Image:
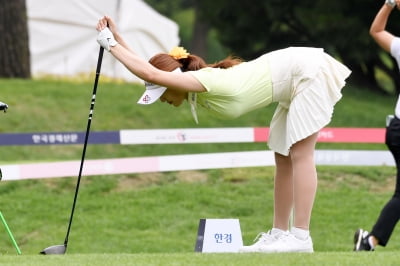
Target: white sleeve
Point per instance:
(395, 50)
(397, 109)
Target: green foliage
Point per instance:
(185, 20)
(340, 27)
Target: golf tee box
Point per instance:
(219, 235)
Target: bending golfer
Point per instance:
(390, 213)
(306, 82)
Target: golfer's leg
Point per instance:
(283, 191)
(304, 180)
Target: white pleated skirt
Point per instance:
(307, 84)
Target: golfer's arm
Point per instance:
(134, 63)
(144, 70)
(378, 28)
(118, 37)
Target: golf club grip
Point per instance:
(98, 68)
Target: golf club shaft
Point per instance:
(10, 234)
(98, 68)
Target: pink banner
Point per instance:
(91, 167)
(352, 135)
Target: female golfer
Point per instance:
(306, 82)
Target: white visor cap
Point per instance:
(153, 91)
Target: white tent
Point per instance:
(62, 35)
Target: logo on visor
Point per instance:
(146, 98)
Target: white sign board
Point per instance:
(219, 235)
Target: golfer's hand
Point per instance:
(105, 22)
(106, 39)
(108, 34)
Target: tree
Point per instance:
(14, 52)
(251, 28)
(340, 27)
(200, 28)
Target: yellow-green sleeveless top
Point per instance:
(237, 90)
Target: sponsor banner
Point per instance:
(343, 135)
(216, 160)
(354, 158)
(71, 168)
(352, 135)
(241, 135)
(189, 135)
(186, 162)
(59, 138)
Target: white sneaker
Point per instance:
(289, 243)
(263, 239)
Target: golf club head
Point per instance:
(3, 106)
(54, 250)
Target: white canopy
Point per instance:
(62, 35)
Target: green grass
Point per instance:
(316, 259)
(158, 214)
(152, 219)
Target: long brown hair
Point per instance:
(192, 62)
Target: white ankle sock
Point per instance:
(276, 231)
(300, 233)
(370, 242)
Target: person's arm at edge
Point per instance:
(378, 28)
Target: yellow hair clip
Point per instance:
(178, 53)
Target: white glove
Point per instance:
(390, 3)
(106, 39)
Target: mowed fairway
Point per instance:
(152, 219)
(130, 219)
(322, 258)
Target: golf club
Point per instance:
(61, 249)
(10, 234)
